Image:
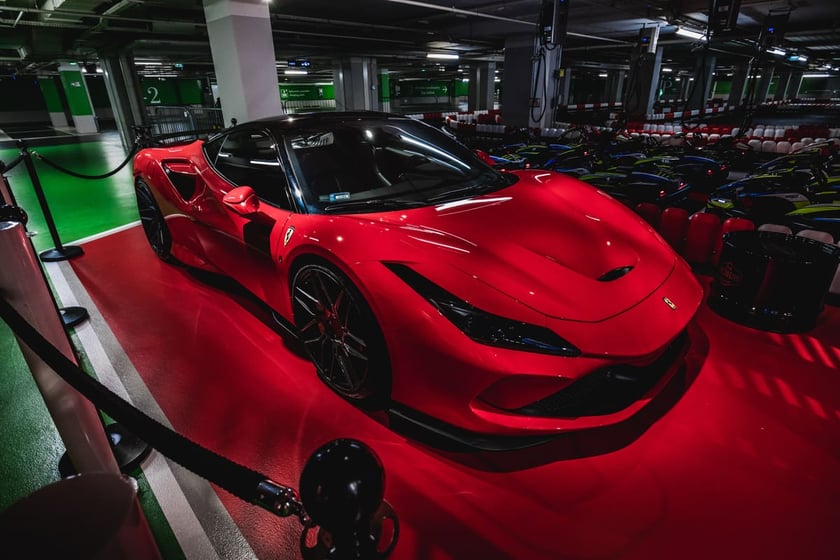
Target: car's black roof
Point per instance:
(302, 120)
(298, 119)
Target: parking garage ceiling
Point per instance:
(36, 34)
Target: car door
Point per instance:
(241, 242)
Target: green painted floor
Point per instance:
(80, 207)
(30, 446)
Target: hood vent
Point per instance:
(615, 274)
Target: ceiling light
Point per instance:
(667, 69)
(603, 75)
(815, 75)
(294, 72)
(443, 56)
(685, 32)
(777, 51)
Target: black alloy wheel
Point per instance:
(154, 225)
(341, 336)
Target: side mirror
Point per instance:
(242, 200)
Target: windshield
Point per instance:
(366, 165)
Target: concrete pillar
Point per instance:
(384, 90)
(643, 81)
(615, 85)
(516, 93)
(243, 58)
(78, 98)
(739, 85)
(543, 115)
(763, 86)
(482, 76)
(124, 94)
(704, 69)
(782, 85)
(355, 81)
(529, 98)
(49, 89)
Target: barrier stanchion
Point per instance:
(344, 479)
(72, 315)
(342, 486)
(59, 252)
(23, 285)
(6, 194)
(95, 516)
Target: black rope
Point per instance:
(236, 479)
(143, 139)
(54, 165)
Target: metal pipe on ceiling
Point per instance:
(81, 14)
(336, 36)
(475, 13)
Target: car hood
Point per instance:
(547, 242)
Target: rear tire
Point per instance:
(154, 224)
(341, 335)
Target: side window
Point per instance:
(250, 158)
(211, 149)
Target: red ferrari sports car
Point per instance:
(419, 278)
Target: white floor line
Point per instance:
(181, 517)
(104, 233)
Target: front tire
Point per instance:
(154, 224)
(341, 335)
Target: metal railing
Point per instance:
(194, 121)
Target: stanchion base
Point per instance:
(72, 316)
(129, 451)
(66, 252)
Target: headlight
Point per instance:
(484, 327)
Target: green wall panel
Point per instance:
(76, 92)
(813, 86)
(384, 87)
(49, 89)
(722, 87)
(190, 91)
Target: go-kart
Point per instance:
(768, 197)
(821, 217)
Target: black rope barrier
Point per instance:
(241, 481)
(142, 139)
(58, 167)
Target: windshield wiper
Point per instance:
(372, 203)
(493, 184)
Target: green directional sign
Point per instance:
(306, 92)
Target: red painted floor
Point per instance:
(745, 464)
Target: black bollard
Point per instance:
(341, 487)
(60, 252)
